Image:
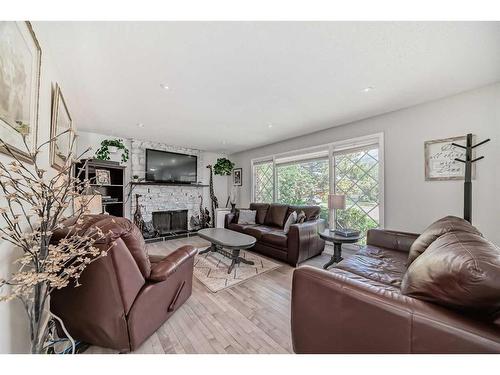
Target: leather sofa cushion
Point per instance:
(459, 270)
(256, 231)
(240, 227)
(275, 238)
(436, 229)
(276, 215)
(378, 264)
(261, 209)
(312, 212)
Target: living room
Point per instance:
(249, 187)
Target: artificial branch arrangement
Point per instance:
(112, 145)
(36, 204)
(223, 167)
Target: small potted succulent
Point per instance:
(135, 178)
(111, 146)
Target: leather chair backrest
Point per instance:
(261, 209)
(276, 215)
(119, 227)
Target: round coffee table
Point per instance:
(337, 244)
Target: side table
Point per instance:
(337, 244)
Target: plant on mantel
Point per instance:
(111, 146)
(36, 205)
(223, 167)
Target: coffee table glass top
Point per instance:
(227, 238)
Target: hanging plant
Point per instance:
(223, 167)
(107, 147)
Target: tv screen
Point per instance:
(163, 166)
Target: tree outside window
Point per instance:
(304, 183)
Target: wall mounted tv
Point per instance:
(170, 167)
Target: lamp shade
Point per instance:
(336, 201)
(92, 204)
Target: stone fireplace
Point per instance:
(170, 222)
(165, 198)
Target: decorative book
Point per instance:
(347, 232)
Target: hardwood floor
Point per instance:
(251, 317)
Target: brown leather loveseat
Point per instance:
(123, 297)
(403, 293)
(299, 244)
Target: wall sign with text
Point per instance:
(440, 163)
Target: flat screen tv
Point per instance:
(170, 167)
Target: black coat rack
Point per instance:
(468, 173)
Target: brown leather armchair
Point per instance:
(358, 307)
(124, 297)
(299, 244)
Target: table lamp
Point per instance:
(335, 202)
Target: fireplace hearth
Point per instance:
(170, 222)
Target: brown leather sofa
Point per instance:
(299, 244)
(369, 304)
(124, 297)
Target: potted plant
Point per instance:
(135, 178)
(36, 205)
(223, 167)
(109, 146)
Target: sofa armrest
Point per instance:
(389, 239)
(304, 241)
(340, 312)
(163, 269)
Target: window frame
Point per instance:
(332, 148)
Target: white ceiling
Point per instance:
(229, 80)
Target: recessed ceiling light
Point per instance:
(141, 125)
(164, 86)
(368, 89)
(270, 126)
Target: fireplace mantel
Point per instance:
(166, 184)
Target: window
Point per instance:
(304, 182)
(353, 168)
(263, 182)
(357, 177)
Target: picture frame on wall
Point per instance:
(20, 67)
(237, 176)
(440, 163)
(102, 177)
(61, 130)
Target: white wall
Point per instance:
(411, 203)
(14, 334)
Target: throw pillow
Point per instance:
(292, 219)
(435, 230)
(459, 270)
(247, 217)
(301, 217)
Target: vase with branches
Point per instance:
(36, 204)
